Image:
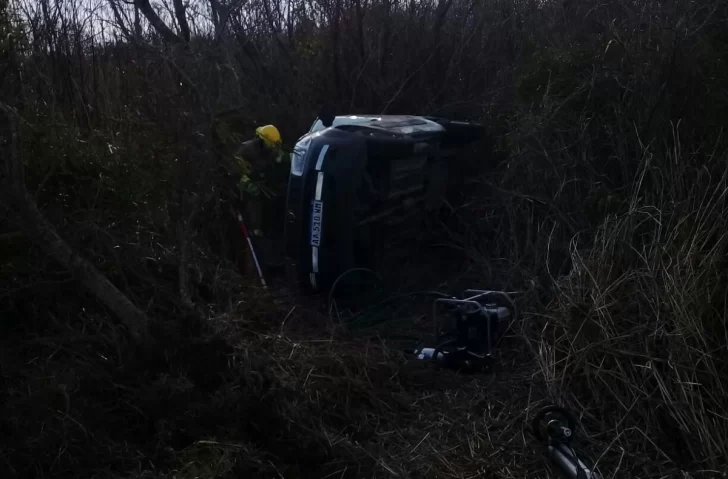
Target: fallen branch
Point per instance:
(41, 232)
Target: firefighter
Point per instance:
(254, 159)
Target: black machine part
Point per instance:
(477, 321)
(556, 427)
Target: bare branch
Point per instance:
(442, 8)
(151, 15)
(120, 20)
(179, 13)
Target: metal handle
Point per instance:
(570, 466)
(558, 431)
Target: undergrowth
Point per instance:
(607, 210)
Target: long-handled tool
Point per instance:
(556, 426)
(244, 230)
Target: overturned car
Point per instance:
(351, 175)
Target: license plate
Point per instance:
(317, 214)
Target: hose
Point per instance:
(371, 315)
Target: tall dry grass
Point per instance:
(635, 334)
(615, 199)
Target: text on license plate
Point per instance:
(317, 213)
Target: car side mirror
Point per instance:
(326, 115)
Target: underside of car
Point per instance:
(356, 180)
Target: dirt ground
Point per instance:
(276, 387)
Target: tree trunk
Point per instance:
(41, 232)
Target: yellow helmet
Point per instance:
(270, 136)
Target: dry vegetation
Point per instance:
(608, 206)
